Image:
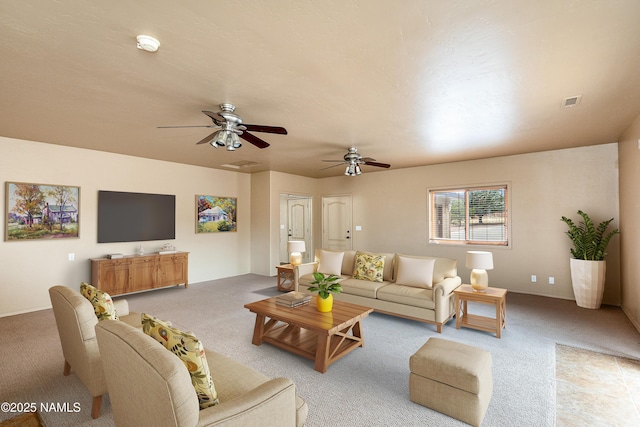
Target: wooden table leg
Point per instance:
(501, 316)
(458, 315)
(498, 320)
(503, 305)
(258, 330)
(322, 353)
(356, 331)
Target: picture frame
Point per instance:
(216, 214)
(41, 211)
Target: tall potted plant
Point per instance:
(325, 285)
(588, 266)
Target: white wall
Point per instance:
(391, 207)
(266, 189)
(262, 258)
(629, 225)
(29, 268)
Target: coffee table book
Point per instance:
(293, 299)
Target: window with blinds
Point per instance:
(471, 216)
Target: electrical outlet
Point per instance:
(72, 257)
(552, 280)
(534, 279)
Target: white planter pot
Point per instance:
(587, 278)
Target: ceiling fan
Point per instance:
(232, 129)
(353, 160)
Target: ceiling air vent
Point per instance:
(240, 165)
(572, 101)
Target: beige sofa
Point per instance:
(149, 385)
(413, 287)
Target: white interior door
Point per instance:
(300, 224)
(336, 223)
(296, 225)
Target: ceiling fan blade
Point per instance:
(216, 117)
(380, 165)
(254, 140)
(367, 159)
(267, 129)
(194, 126)
(206, 139)
(341, 161)
(332, 166)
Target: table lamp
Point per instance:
(295, 247)
(479, 262)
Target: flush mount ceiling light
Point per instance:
(147, 43)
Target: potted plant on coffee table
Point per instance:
(588, 266)
(325, 285)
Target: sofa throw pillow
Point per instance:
(330, 262)
(415, 271)
(101, 301)
(368, 267)
(190, 350)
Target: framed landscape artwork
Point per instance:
(41, 211)
(216, 214)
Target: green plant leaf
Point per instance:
(325, 284)
(589, 242)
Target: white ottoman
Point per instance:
(452, 378)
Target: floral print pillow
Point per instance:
(368, 267)
(101, 301)
(190, 351)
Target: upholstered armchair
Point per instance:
(149, 385)
(76, 321)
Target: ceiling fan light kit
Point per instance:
(353, 170)
(232, 129)
(353, 160)
(147, 43)
(222, 138)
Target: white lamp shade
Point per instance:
(296, 246)
(479, 260)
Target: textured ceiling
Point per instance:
(410, 83)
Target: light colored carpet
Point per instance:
(368, 387)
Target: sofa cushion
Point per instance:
(368, 267)
(330, 262)
(444, 267)
(407, 295)
(101, 301)
(363, 288)
(190, 351)
(348, 262)
(415, 271)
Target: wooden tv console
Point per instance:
(140, 272)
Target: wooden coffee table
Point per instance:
(303, 330)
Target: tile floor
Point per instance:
(594, 389)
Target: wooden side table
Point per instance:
(495, 296)
(285, 277)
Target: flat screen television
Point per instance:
(135, 217)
